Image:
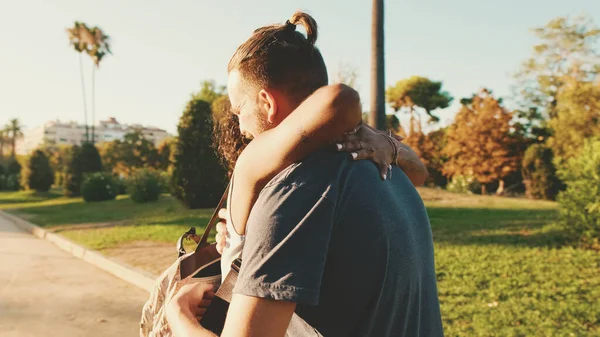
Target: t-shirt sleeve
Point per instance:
(287, 238)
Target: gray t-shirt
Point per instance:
(354, 252)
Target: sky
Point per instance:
(162, 50)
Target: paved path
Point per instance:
(45, 291)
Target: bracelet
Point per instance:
(396, 149)
(394, 146)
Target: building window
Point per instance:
(62, 140)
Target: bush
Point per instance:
(121, 185)
(82, 159)
(143, 185)
(14, 168)
(39, 175)
(464, 185)
(165, 182)
(580, 202)
(10, 182)
(73, 175)
(198, 178)
(99, 186)
(90, 158)
(539, 173)
(10, 179)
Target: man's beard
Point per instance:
(261, 124)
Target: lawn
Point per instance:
(503, 268)
(108, 224)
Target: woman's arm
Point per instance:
(319, 120)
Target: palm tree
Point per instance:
(99, 49)
(79, 39)
(95, 43)
(3, 141)
(16, 131)
(377, 110)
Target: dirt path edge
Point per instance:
(138, 278)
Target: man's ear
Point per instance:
(267, 102)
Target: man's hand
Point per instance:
(187, 307)
(221, 237)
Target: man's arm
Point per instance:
(247, 316)
(284, 258)
(256, 317)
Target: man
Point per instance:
(327, 238)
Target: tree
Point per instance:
(539, 173)
(377, 112)
(90, 157)
(3, 141)
(15, 131)
(73, 172)
(418, 92)
(100, 48)
(198, 178)
(83, 160)
(568, 50)
(579, 211)
(133, 152)
(209, 91)
(577, 118)
(39, 175)
(429, 149)
(14, 168)
(165, 148)
(12, 178)
(480, 142)
(95, 43)
(80, 38)
(392, 123)
(435, 158)
(221, 107)
(58, 156)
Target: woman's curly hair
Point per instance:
(228, 141)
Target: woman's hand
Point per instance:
(221, 237)
(384, 150)
(366, 142)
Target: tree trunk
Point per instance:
(483, 190)
(93, 103)
(377, 111)
(14, 146)
(87, 136)
(500, 189)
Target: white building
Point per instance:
(71, 133)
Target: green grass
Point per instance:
(25, 198)
(503, 269)
(162, 221)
